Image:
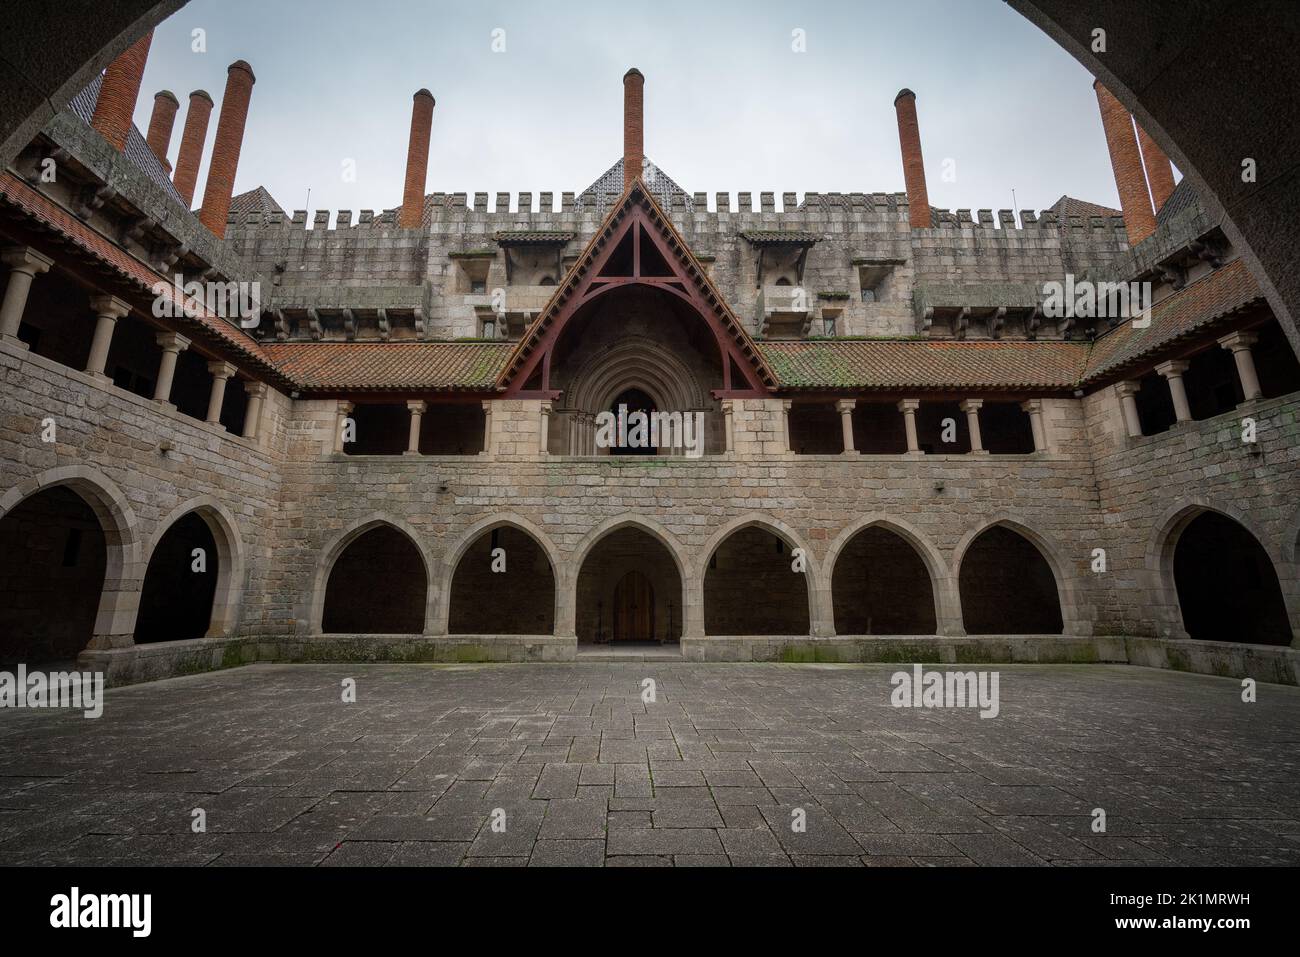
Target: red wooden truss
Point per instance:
(637, 245)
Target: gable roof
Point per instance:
(608, 187)
(637, 205)
(1069, 206)
(254, 201)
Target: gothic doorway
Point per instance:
(637, 441)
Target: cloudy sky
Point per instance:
(730, 104)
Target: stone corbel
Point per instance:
(961, 323)
(133, 229)
(349, 324)
(92, 198)
(169, 253)
(281, 326)
(1033, 322)
(1176, 276)
(927, 318)
(313, 322)
(37, 172)
(385, 326)
(1207, 250)
(997, 321)
(421, 327)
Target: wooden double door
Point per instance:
(634, 608)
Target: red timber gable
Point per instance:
(637, 245)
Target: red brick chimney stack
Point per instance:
(1134, 201)
(1160, 172)
(161, 122)
(193, 136)
(417, 160)
(225, 150)
(633, 126)
(909, 141)
(117, 94)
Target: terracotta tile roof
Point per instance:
(531, 237)
(53, 218)
(391, 366)
(1213, 297)
(1069, 206)
(780, 237)
(254, 201)
(925, 364)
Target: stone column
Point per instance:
(845, 408)
(1173, 372)
(25, 263)
(253, 415)
(544, 430)
(908, 407)
(1127, 392)
(340, 420)
(172, 345)
(1035, 409)
(727, 408)
(221, 373)
(417, 408)
(1239, 343)
(785, 423)
(972, 409)
(107, 310)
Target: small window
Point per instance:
(868, 295)
(489, 329)
(828, 326)
(477, 287)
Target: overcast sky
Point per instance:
(730, 106)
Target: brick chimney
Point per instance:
(192, 138)
(417, 160)
(909, 141)
(161, 122)
(1160, 172)
(117, 94)
(1134, 201)
(225, 150)
(633, 126)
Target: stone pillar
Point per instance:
(1127, 392)
(25, 263)
(172, 345)
(972, 409)
(845, 408)
(107, 310)
(727, 407)
(1173, 372)
(1239, 343)
(253, 415)
(487, 428)
(221, 373)
(544, 430)
(1035, 409)
(908, 407)
(417, 408)
(340, 420)
(785, 423)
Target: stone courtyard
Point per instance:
(710, 773)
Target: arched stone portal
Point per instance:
(751, 587)
(510, 592)
(179, 587)
(53, 556)
(629, 589)
(1007, 587)
(1227, 587)
(377, 586)
(880, 586)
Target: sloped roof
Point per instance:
(1211, 298)
(136, 150)
(1069, 206)
(391, 366)
(608, 188)
(53, 218)
(255, 201)
(891, 364)
(1183, 197)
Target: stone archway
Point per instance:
(339, 598)
(1010, 584)
(749, 586)
(504, 583)
(601, 588)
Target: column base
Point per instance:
(411, 452)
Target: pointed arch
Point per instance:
(222, 524)
(120, 593)
(1063, 578)
(338, 545)
(818, 596)
(646, 526)
(451, 560)
(947, 610)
